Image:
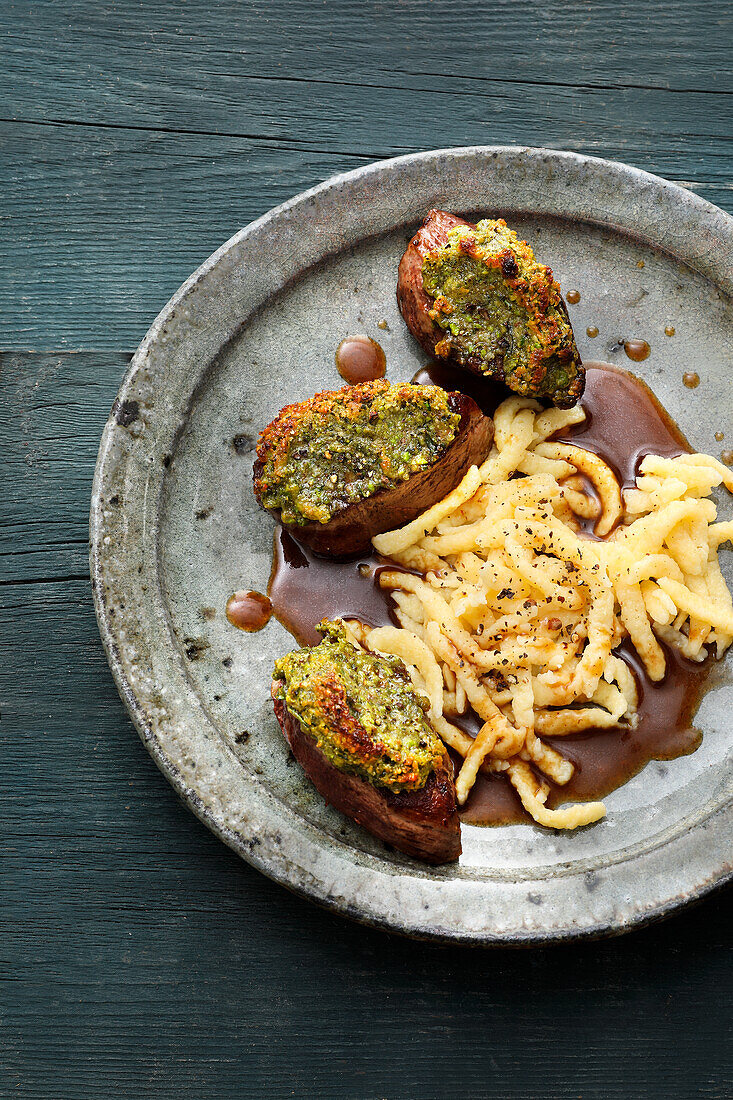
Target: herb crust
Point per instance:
(361, 709)
(502, 312)
(321, 455)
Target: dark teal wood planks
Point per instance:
(52, 411)
(138, 956)
(104, 224)
(139, 56)
(144, 136)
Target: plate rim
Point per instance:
(109, 630)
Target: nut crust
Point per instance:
(351, 530)
(528, 283)
(423, 824)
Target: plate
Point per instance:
(175, 528)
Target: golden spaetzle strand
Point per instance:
(517, 612)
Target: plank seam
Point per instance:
(46, 580)
(279, 141)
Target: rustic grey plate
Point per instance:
(175, 529)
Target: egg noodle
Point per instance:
(514, 612)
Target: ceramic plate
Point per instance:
(175, 528)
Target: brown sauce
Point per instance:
(638, 350)
(669, 330)
(591, 331)
(305, 588)
(360, 359)
(691, 379)
(573, 296)
(605, 759)
(249, 611)
(624, 421)
(727, 457)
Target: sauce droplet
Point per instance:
(360, 359)
(249, 611)
(382, 325)
(638, 350)
(669, 331)
(727, 457)
(691, 379)
(573, 296)
(719, 436)
(640, 263)
(591, 331)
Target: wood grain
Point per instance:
(105, 224)
(144, 136)
(52, 411)
(142, 54)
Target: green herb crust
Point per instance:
(502, 312)
(339, 447)
(361, 710)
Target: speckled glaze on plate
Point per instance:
(175, 528)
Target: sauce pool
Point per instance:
(305, 588)
(624, 421)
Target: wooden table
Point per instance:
(140, 957)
